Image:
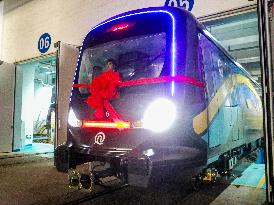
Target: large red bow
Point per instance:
(103, 88)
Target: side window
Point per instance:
(213, 63)
(217, 66)
(206, 61)
(217, 71)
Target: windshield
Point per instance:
(135, 58)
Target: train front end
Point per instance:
(137, 123)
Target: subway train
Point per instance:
(176, 102)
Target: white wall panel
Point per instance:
(6, 106)
(1, 27)
(69, 20)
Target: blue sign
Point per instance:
(44, 43)
(184, 4)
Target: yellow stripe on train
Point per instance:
(201, 121)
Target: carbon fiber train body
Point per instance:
(222, 116)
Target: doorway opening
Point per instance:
(35, 100)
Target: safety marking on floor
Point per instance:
(261, 182)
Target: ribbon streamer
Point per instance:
(105, 87)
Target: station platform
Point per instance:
(235, 195)
(37, 148)
(41, 149)
(253, 176)
(248, 186)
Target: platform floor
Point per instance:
(41, 149)
(38, 148)
(235, 195)
(253, 176)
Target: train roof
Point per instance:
(172, 10)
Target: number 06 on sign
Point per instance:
(44, 43)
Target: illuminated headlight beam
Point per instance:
(160, 115)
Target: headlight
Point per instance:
(149, 152)
(72, 119)
(159, 115)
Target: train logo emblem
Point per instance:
(183, 4)
(100, 138)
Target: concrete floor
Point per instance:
(33, 180)
(235, 195)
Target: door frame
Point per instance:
(266, 31)
(60, 124)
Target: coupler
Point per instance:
(80, 181)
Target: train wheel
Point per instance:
(61, 158)
(196, 184)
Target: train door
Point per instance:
(7, 78)
(241, 118)
(234, 115)
(221, 90)
(228, 110)
(234, 123)
(66, 63)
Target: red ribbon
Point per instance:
(104, 88)
(163, 79)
